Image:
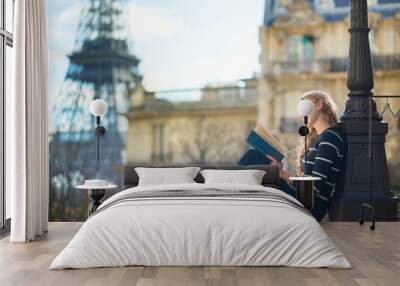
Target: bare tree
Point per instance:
(204, 140)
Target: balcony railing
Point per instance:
(388, 62)
(199, 99)
(380, 62)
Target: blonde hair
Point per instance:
(328, 114)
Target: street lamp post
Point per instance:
(352, 189)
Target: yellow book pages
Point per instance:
(270, 139)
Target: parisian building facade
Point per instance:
(304, 46)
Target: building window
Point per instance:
(250, 125)
(284, 3)
(159, 146)
(6, 44)
(326, 4)
(289, 125)
(299, 48)
(398, 123)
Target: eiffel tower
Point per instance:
(101, 66)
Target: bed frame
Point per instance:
(270, 179)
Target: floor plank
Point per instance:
(375, 257)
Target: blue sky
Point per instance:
(181, 44)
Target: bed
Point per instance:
(198, 224)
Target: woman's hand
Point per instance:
(282, 172)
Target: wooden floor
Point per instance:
(375, 257)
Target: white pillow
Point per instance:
(248, 177)
(164, 176)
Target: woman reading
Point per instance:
(324, 158)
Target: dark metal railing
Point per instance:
(386, 62)
(387, 109)
(379, 62)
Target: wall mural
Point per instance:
(185, 87)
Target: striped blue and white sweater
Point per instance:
(324, 159)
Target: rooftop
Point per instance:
(240, 94)
(329, 10)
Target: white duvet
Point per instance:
(200, 231)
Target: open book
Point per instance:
(265, 143)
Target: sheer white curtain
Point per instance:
(27, 151)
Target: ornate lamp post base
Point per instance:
(353, 186)
(359, 184)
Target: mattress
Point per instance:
(201, 225)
